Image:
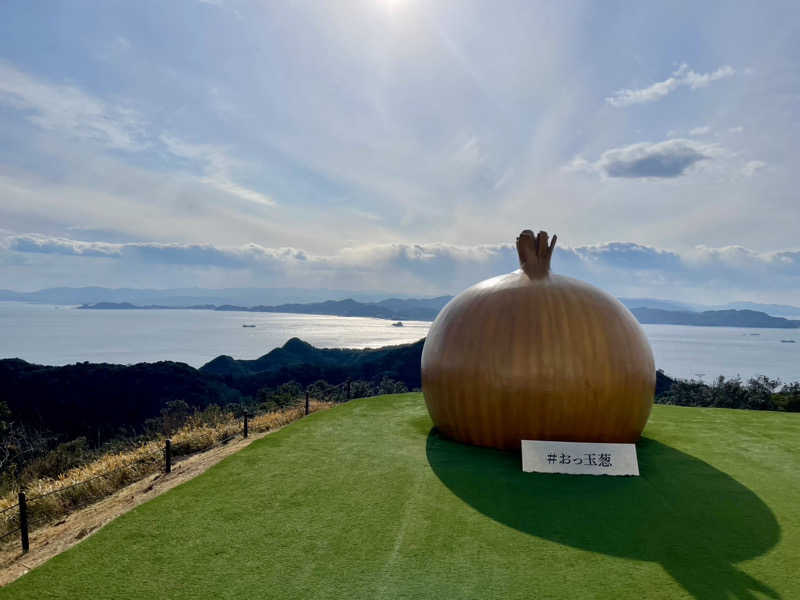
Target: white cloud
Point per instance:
(470, 154)
(131, 204)
(738, 129)
(580, 165)
(224, 184)
(683, 76)
(203, 255)
(53, 245)
(752, 167)
(122, 42)
(67, 109)
(697, 131)
(70, 111)
(621, 267)
(626, 97)
(698, 80)
(223, 4)
(216, 164)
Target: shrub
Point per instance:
(759, 393)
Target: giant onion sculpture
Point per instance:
(537, 356)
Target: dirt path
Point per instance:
(53, 539)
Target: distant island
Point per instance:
(714, 318)
(426, 309)
(129, 306)
(393, 309)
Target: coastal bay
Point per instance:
(58, 335)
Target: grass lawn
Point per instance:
(364, 501)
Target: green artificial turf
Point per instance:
(364, 501)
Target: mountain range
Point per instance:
(713, 318)
(180, 297)
(427, 309)
(253, 297)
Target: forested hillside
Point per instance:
(43, 406)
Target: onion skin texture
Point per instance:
(517, 358)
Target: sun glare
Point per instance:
(394, 6)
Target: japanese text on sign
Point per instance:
(579, 458)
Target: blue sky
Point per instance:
(400, 145)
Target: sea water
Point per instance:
(58, 335)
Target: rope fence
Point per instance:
(85, 481)
(61, 502)
(9, 533)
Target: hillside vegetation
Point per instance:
(365, 501)
(51, 416)
(101, 406)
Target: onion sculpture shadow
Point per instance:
(691, 518)
(533, 355)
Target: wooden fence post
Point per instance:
(306, 401)
(23, 522)
(348, 389)
(245, 425)
(167, 456)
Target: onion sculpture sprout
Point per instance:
(537, 356)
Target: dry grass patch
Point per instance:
(53, 498)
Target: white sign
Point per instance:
(578, 458)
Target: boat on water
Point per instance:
(397, 324)
(248, 325)
(787, 342)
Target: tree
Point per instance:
(173, 416)
(18, 444)
(759, 393)
(788, 398)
